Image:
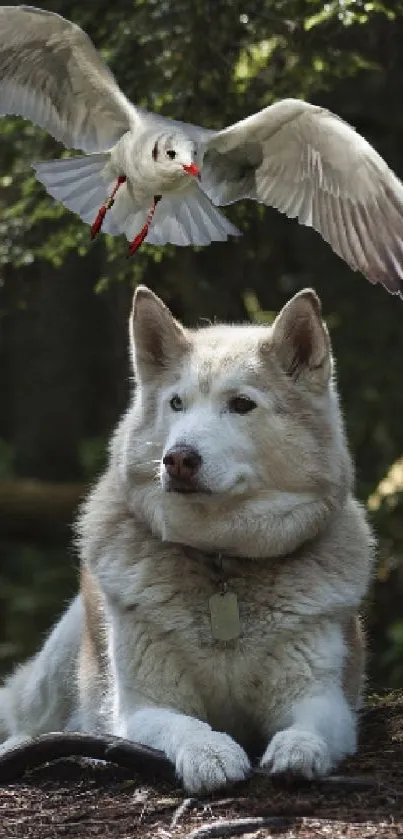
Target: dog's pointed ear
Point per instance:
(301, 341)
(157, 339)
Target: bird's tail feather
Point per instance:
(189, 218)
(186, 217)
(78, 183)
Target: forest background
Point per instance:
(64, 303)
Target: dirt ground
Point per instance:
(78, 799)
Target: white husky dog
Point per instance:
(223, 561)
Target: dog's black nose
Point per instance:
(182, 462)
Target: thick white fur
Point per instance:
(41, 695)
(274, 499)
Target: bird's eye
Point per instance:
(171, 154)
(176, 403)
(241, 405)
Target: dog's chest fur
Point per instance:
(158, 604)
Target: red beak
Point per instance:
(192, 170)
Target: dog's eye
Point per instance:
(176, 403)
(171, 154)
(241, 405)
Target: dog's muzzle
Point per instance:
(181, 469)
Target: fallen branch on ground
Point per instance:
(124, 753)
(129, 755)
(350, 783)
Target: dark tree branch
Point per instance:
(350, 783)
(49, 747)
(128, 755)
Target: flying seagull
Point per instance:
(147, 175)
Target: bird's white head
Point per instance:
(174, 153)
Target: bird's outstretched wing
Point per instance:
(51, 73)
(313, 166)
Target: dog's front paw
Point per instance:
(298, 752)
(209, 761)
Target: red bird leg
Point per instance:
(139, 239)
(95, 228)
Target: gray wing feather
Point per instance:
(51, 73)
(315, 167)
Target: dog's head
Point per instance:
(235, 433)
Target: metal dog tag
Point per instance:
(224, 613)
